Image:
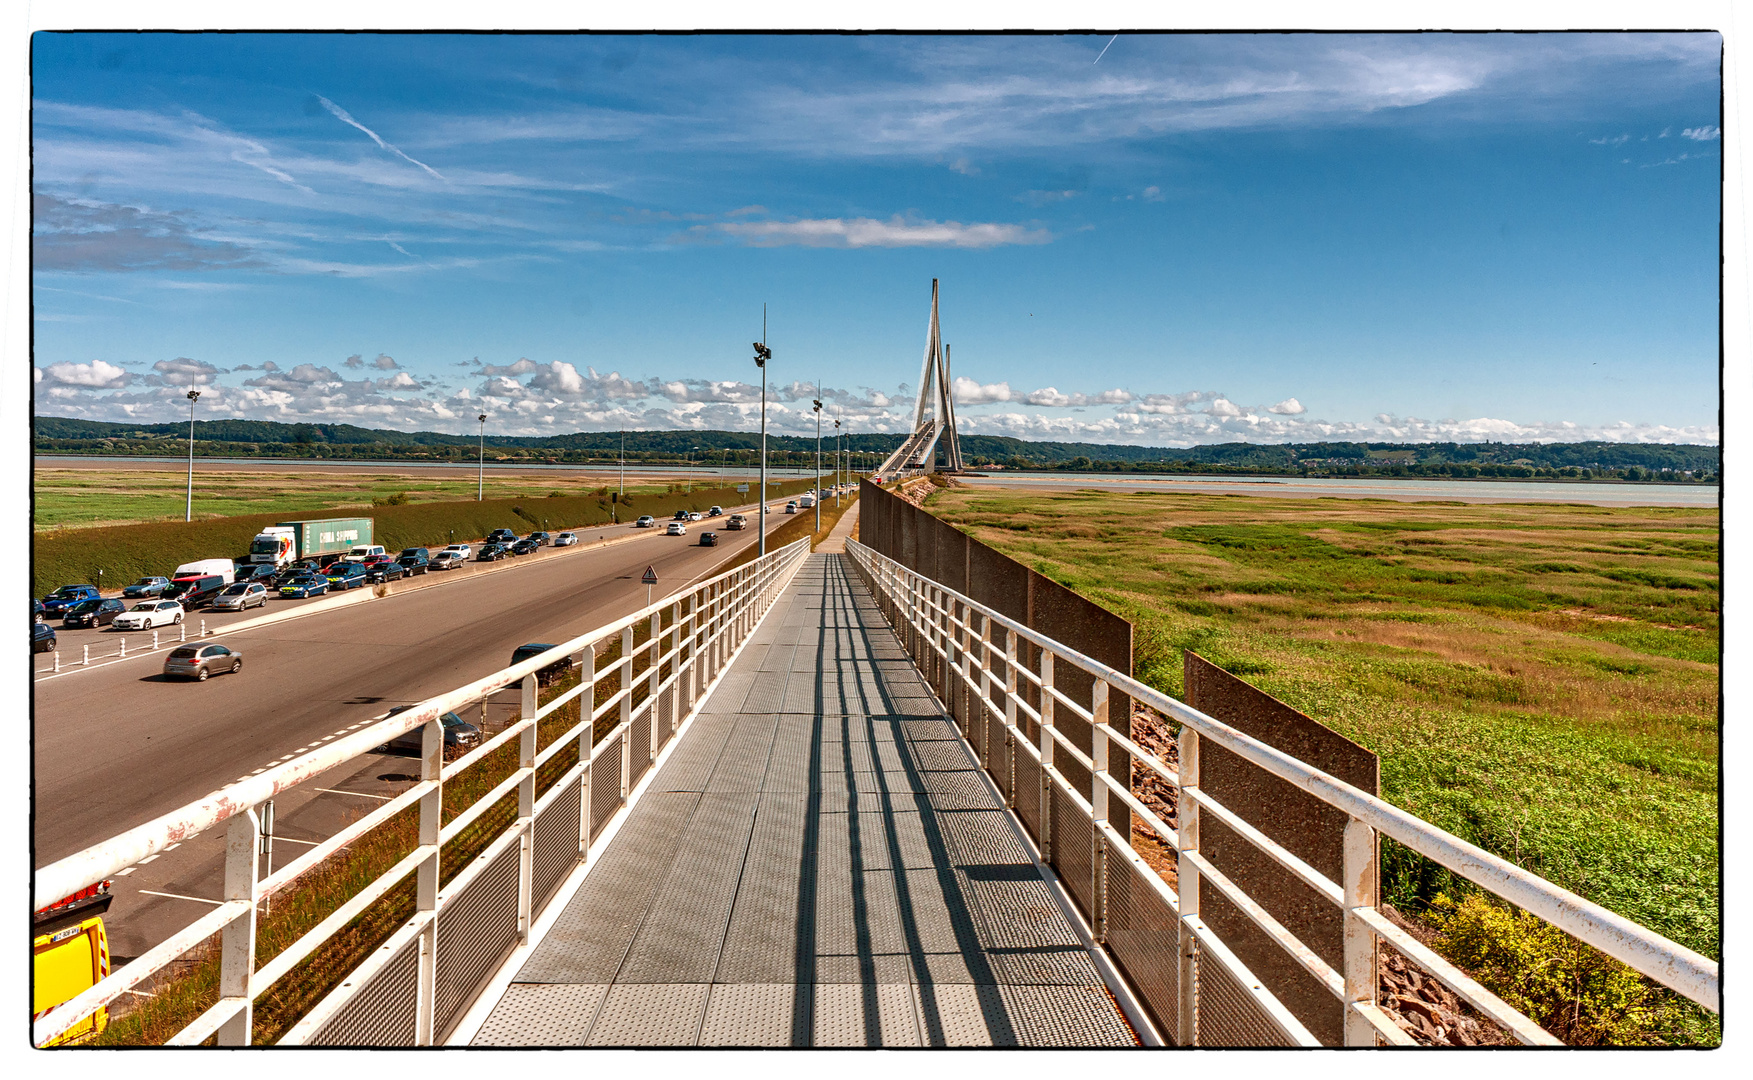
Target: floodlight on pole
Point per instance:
(481, 462)
(189, 507)
(762, 355)
(818, 411)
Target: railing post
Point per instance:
(526, 809)
(1187, 882)
(1010, 711)
(586, 751)
(426, 881)
(1361, 976)
(655, 651)
(1048, 705)
(985, 689)
(1099, 810)
(243, 838)
(626, 710)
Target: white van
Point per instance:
(224, 568)
(362, 552)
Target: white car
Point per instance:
(565, 540)
(646, 522)
(694, 516)
(461, 551)
(239, 597)
(791, 508)
(677, 529)
(150, 614)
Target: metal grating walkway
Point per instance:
(817, 864)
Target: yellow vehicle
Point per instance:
(69, 955)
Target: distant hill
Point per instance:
(267, 438)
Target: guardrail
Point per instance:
(425, 975)
(1212, 997)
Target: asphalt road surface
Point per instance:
(117, 745)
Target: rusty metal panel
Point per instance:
(908, 540)
(1074, 850)
(1144, 939)
(1228, 1014)
(1303, 824)
(999, 582)
(1028, 793)
(952, 557)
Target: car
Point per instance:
(57, 602)
(240, 596)
(677, 529)
(791, 508)
(681, 515)
(491, 553)
(303, 584)
(382, 568)
(146, 586)
(708, 539)
(262, 572)
(36, 610)
(501, 536)
(458, 733)
(716, 511)
(92, 613)
(447, 560)
(646, 522)
(737, 522)
(566, 539)
(462, 551)
(42, 637)
(362, 552)
(541, 538)
(414, 561)
(694, 515)
(524, 547)
(199, 661)
(550, 674)
(346, 575)
(194, 592)
(149, 614)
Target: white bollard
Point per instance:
(203, 627)
(85, 657)
(57, 659)
(182, 631)
(124, 651)
(155, 639)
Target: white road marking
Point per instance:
(361, 794)
(258, 772)
(290, 840)
(146, 860)
(173, 847)
(179, 896)
(139, 993)
(324, 739)
(125, 873)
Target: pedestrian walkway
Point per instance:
(835, 541)
(818, 863)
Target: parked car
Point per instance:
(550, 674)
(36, 610)
(491, 553)
(362, 552)
(715, 511)
(149, 614)
(462, 551)
(447, 560)
(695, 515)
(458, 733)
(645, 522)
(262, 572)
(566, 539)
(92, 613)
(525, 546)
(791, 507)
(146, 586)
(304, 583)
(194, 592)
(386, 571)
(737, 522)
(708, 539)
(681, 515)
(199, 661)
(42, 637)
(677, 529)
(240, 596)
(501, 536)
(541, 538)
(57, 602)
(346, 575)
(414, 561)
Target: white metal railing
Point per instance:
(693, 636)
(956, 634)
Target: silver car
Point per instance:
(242, 596)
(565, 540)
(199, 661)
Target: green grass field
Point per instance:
(1538, 679)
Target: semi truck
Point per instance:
(286, 542)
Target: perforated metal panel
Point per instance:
(1073, 851)
(640, 738)
(753, 1014)
(476, 928)
(1144, 938)
(650, 1014)
(542, 1014)
(1028, 794)
(556, 832)
(854, 1014)
(382, 1012)
(605, 783)
(1229, 1015)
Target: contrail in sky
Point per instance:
(1097, 60)
(347, 118)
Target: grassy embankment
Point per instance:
(1541, 680)
(125, 552)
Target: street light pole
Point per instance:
(839, 475)
(189, 507)
(621, 487)
(762, 355)
(481, 463)
(818, 411)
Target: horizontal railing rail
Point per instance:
(691, 638)
(955, 635)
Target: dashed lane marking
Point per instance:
(180, 896)
(125, 873)
(146, 860)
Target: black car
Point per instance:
(36, 610)
(92, 613)
(414, 561)
(524, 547)
(555, 671)
(708, 539)
(379, 572)
(194, 592)
(262, 572)
(501, 536)
(42, 637)
(541, 538)
(681, 515)
(458, 733)
(490, 553)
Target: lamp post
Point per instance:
(839, 473)
(691, 470)
(189, 507)
(621, 485)
(761, 356)
(481, 462)
(818, 412)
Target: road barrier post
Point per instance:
(203, 627)
(155, 639)
(526, 808)
(124, 651)
(85, 657)
(182, 631)
(57, 659)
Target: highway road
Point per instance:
(117, 745)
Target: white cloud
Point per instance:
(97, 375)
(343, 116)
(1223, 407)
(969, 392)
(185, 372)
(1702, 134)
(1153, 194)
(385, 362)
(869, 232)
(355, 361)
(1288, 407)
(522, 366)
(962, 165)
(400, 381)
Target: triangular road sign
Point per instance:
(650, 577)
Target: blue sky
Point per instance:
(1198, 238)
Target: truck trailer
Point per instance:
(286, 542)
